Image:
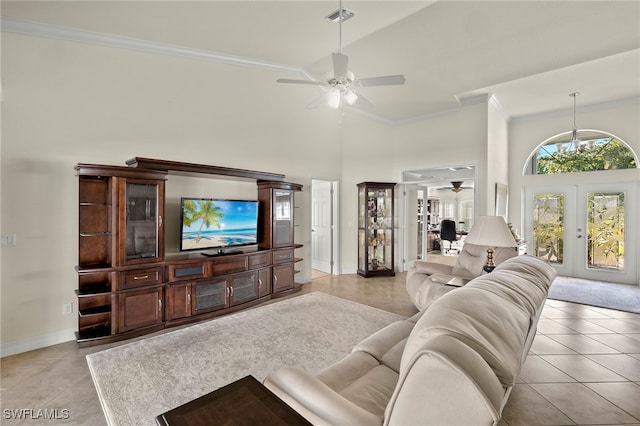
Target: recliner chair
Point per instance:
(423, 291)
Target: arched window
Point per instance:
(593, 150)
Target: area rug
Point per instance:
(140, 380)
(622, 297)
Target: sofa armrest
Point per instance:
(316, 401)
(430, 268)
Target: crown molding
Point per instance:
(39, 29)
(45, 30)
(473, 100)
(586, 108)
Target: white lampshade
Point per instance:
(490, 231)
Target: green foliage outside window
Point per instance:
(601, 154)
(605, 228)
(548, 227)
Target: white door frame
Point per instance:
(407, 228)
(332, 213)
(574, 264)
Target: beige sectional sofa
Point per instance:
(423, 290)
(454, 363)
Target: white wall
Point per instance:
(368, 148)
(497, 154)
(67, 102)
(376, 152)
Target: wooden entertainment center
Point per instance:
(128, 287)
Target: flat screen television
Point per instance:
(208, 223)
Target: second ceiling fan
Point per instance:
(342, 84)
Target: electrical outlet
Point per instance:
(67, 308)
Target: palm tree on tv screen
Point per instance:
(204, 210)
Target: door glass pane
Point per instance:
(605, 230)
(245, 288)
(361, 252)
(548, 227)
(142, 229)
(284, 219)
(211, 295)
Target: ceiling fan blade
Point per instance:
(324, 99)
(387, 80)
(340, 65)
(363, 103)
(308, 82)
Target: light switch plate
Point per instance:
(8, 240)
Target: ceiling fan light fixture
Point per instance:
(333, 99)
(350, 97)
(343, 81)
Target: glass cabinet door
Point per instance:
(283, 213)
(142, 222)
(375, 229)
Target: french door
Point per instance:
(585, 231)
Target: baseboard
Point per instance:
(37, 342)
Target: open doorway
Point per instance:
(431, 196)
(324, 227)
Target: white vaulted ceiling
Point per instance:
(529, 54)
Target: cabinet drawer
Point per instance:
(259, 260)
(282, 256)
(141, 277)
(229, 265)
(187, 271)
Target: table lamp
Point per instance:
(491, 231)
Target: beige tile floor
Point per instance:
(584, 366)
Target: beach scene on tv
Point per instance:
(218, 223)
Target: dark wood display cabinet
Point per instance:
(126, 284)
(121, 246)
(375, 229)
(277, 206)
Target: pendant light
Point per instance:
(574, 134)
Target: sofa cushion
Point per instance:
(387, 344)
(522, 283)
(484, 321)
(349, 369)
(430, 268)
(470, 261)
(362, 380)
(446, 383)
(372, 391)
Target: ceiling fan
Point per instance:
(456, 186)
(342, 84)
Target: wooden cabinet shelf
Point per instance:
(98, 310)
(94, 289)
(92, 333)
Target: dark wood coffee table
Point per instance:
(243, 402)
